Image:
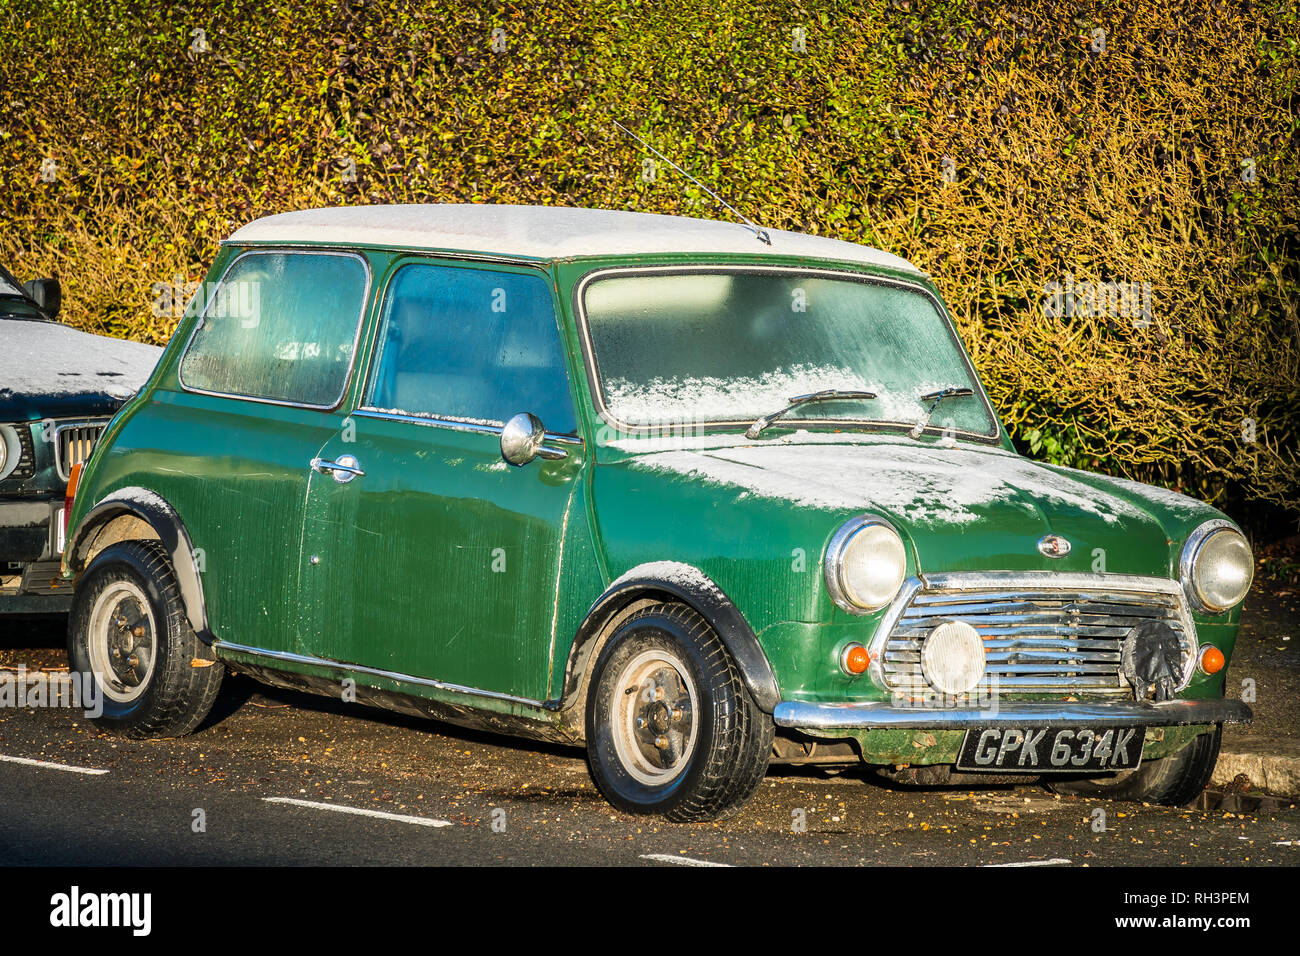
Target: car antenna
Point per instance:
(758, 230)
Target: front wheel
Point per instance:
(128, 629)
(1174, 781)
(671, 729)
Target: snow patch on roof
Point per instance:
(544, 232)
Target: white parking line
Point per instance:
(28, 762)
(680, 860)
(359, 811)
(1053, 862)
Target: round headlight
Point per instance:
(865, 564)
(11, 450)
(1216, 567)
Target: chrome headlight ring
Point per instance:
(861, 581)
(11, 450)
(1206, 536)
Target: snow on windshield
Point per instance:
(712, 398)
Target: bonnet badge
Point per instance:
(1053, 546)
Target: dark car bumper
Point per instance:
(27, 529)
(30, 580)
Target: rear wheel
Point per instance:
(128, 629)
(1174, 780)
(671, 728)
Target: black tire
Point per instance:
(717, 770)
(1173, 781)
(128, 601)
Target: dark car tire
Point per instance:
(128, 601)
(717, 750)
(1173, 781)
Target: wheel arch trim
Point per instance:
(159, 514)
(691, 586)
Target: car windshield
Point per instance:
(731, 346)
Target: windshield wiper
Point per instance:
(825, 395)
(934, 398)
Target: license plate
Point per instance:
(1043, 750)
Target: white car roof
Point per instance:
(542, 232)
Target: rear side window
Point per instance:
(281, 326)
(472, 345)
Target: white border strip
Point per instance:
(680, 860)
(1056, 861)
(358, 811)
(28, 762)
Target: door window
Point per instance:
(472, 345)
(282, 327)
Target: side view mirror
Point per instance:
(46, 293)
(523, 439)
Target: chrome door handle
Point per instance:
(344, 469)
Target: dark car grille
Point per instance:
(1038, 640)
(75, 443)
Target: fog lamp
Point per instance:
(952, 658)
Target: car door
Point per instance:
(424, 553)
(260, 384)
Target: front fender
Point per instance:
(671, 580)
(154, 511)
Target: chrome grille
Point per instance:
(75, 443)
(1037, 640)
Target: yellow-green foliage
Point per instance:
(1122, 163)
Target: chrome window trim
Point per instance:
(1187, 562)
(290, 657)
(356, 338)
(597, 387)
(1032, 580)
(425, 257)
(454, 423)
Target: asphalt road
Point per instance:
(279, 778)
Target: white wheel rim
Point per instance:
(654, 718)
(123, 641)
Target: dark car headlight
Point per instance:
(11, 450)
(865, 564)
(1216, 567)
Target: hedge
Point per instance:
(1106, 197)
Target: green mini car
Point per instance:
(696, 496)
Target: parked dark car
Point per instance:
(58, 389)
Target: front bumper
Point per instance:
(800, 715)
(28, 531)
